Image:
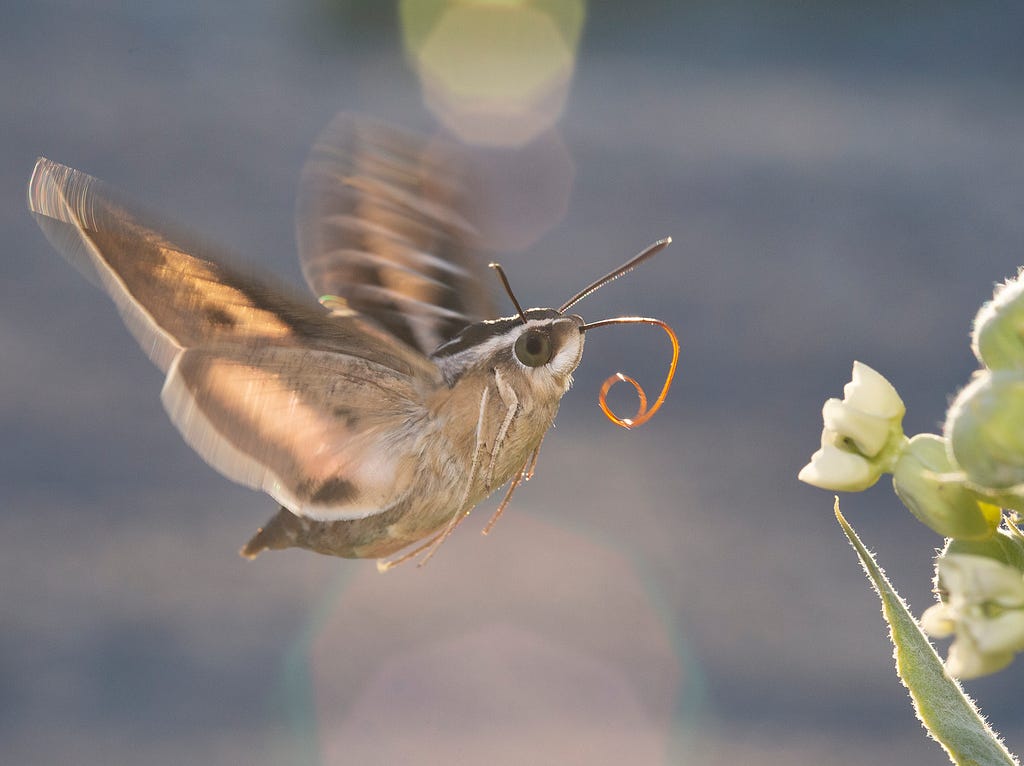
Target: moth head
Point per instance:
(540, 346)
(544, 346)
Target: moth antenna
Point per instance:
(643, 413)
(648, 252)
(508, 289)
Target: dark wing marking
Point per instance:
(380, 225)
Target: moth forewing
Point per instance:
(173, 295)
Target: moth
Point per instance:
(377, 417)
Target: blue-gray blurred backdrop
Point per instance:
(843, 180)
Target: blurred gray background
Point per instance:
(843, 181)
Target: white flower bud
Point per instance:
(983, 608)
(966, 661)
(833, 468)
(862, 434)
(870, 392)
(869, 433)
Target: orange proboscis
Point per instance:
(643, 413)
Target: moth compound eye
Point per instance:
(533, 348)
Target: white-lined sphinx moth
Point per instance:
(377, 418)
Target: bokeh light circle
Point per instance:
(499, 651)
(494, 73)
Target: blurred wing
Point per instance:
(327, 436)
(170, 296)
(379, 225)
(273, 391)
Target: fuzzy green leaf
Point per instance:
(947, 713)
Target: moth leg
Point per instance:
(383, 565)
(474, 466)
(516, 481)
(431, 546)
(525, 474)
(532, 466)
(511, 401)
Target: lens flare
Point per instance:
(494, 73)
(527, 660)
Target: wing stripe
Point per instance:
(371, 260)
(383, 209)
(300, 425)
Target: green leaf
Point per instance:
(947, 713)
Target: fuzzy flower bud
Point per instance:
(935, 491)
(998, 335)
(985, 429)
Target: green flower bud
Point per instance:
(998, 335)
(985, 429)
(1004, 546)
(935, 491)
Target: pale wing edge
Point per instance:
(60, 199)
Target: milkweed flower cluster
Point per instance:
(960, 483)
